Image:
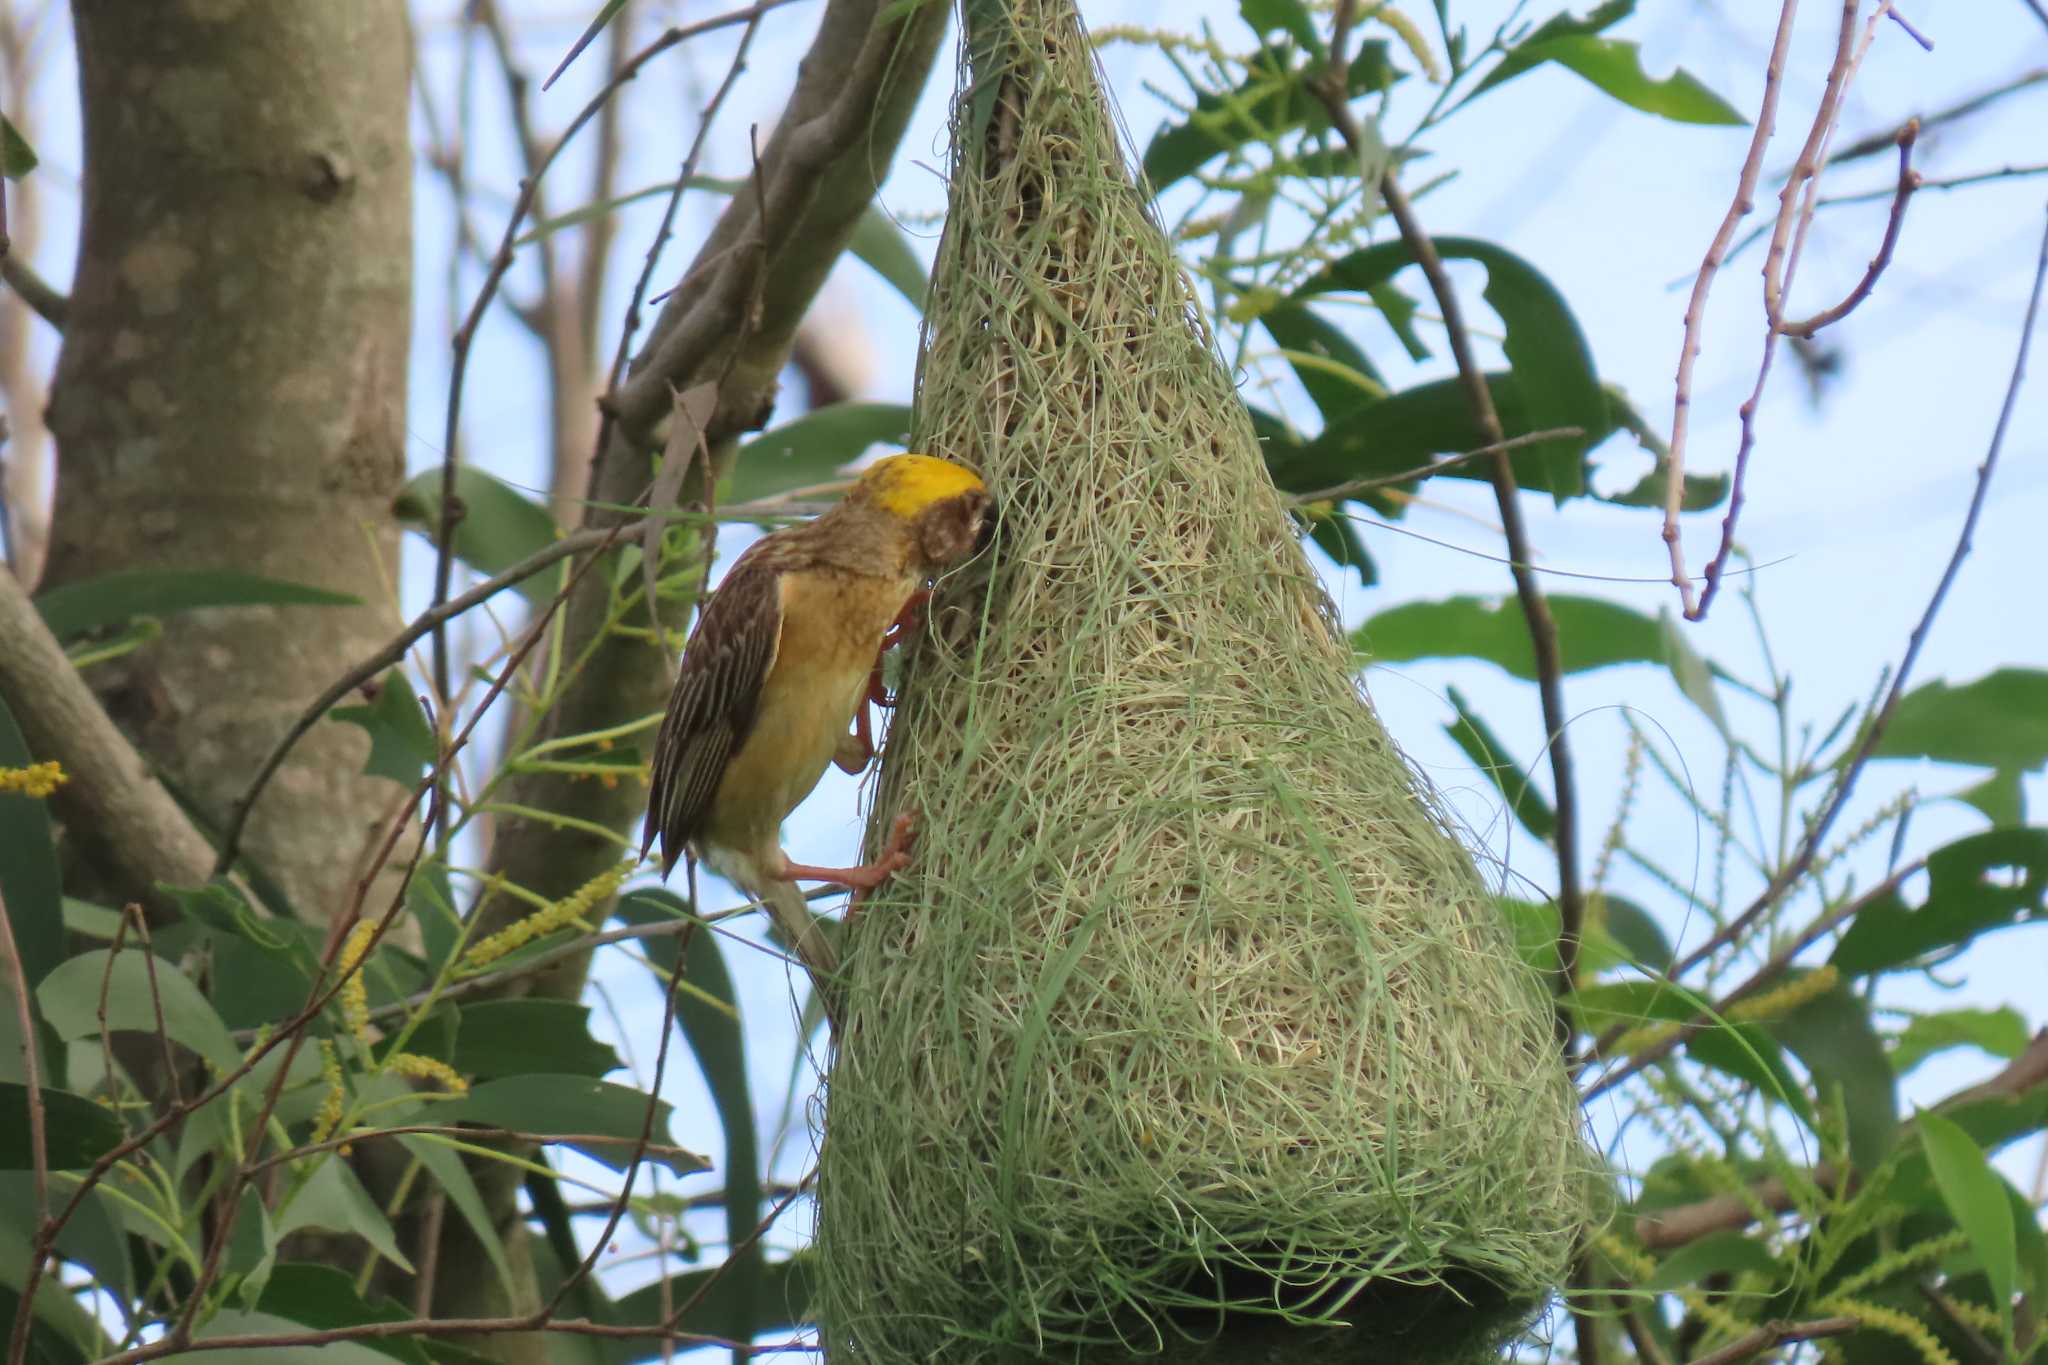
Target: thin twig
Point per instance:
(1330, 88)
(1773, 967)
(1909, 180)
(1345, 490)
(631, 324)
(1962, 109)
(2040, 10)
(1838, 796)
(1777, 1334)
(42, 298)
(1703, 284)
(1796, 203)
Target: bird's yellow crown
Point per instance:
(904, 485)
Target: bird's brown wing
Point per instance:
(711, 710)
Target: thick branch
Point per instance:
(113, 805)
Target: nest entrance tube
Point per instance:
(1192, 1032)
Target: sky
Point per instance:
(1855, 495)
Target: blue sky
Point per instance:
(1854, 498)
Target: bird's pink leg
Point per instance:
(855, 755)
(867, 876)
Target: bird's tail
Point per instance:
(806, 937)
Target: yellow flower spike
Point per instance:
(413, 1065)
(36, 781)
(567, 910)
(1786, 998)
(1899, 1324)
(355, 992)
(330, 1107)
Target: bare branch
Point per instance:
(1796, 202)
(1909, 180)
(1703, 284)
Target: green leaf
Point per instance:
(519, 1037)
(76, 1131)
(711, 1023)
(1484, 748)
(401, 742)
(432, 903)
(2002, 1032)
(498, 527)
(252, 1246)
(1616, 67)
(110, 599)
(233, 1323)
(1976, 1199)
(1977, 884)
(70, 997)
(1544, 346)
(1717, 1253)
(1634, 929)
(1336, 535)
(1998, 721)
(333, 1199)
(17, 158)
(1591, 633)
(322, 1297)
(220, 907)
(1832, 1037)
(814, 448)
(1695, 680)
(1701, 490)
(566, 1106)
(90, 1238)
(452, 1175)
(1337, 374)
(1287, 16)
(881, 244)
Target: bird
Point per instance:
(784, 658)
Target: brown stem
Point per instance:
(1777, 1334)
(1331, 90)
(1909, 180)
(1703, 283)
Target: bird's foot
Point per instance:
(895, 857)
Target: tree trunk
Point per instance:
(231, 391)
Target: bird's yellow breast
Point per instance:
(832, 628)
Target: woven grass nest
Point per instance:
(1191, 1033)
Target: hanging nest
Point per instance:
(1192, 1029)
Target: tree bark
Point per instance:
(231, 390)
